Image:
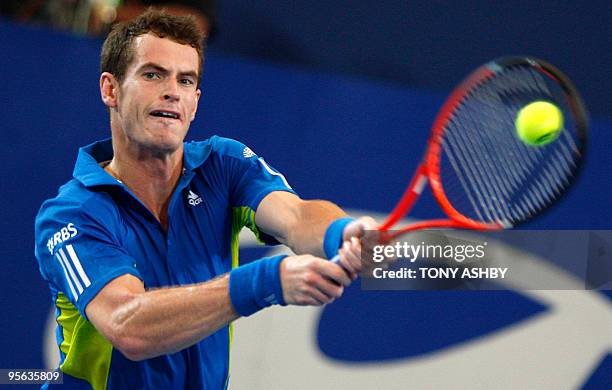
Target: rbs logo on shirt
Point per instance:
(61, 235)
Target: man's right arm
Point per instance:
(144, 324)
(81, 255)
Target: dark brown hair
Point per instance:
(118, 52)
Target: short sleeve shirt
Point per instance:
(95, 230)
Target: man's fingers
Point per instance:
(307, 280)
(323, 288)
(329, 291)
(350, 256)
(314, 294)
(347, 266)
(358, 227)
(359, 237)
(335, 272)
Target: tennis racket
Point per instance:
(481, 173)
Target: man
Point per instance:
(146, 210)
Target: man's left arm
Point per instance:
(303, 225)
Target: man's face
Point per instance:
(158, 97)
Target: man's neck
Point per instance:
(152, 180)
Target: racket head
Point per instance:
(481, 173)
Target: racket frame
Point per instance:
(429, 169)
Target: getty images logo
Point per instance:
(193, 198)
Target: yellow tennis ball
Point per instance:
(539, 123)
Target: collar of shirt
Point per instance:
(88, 171)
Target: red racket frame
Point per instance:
(429, 169)
(429, 172)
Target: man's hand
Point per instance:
(309, 280)
(354, 235)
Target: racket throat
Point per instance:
(412, 193)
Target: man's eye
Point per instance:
(187, 81)
(151, 76)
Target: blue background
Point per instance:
(349, 139)
(425, 44)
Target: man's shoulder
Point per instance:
(73, 208)
(75, 199)
(222, 146)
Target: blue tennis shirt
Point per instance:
(95, 230)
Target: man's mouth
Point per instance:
(165, 114)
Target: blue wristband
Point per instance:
(256, 285)
(333, 236)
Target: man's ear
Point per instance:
(195, 108)
(109, 87)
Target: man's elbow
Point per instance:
(132, 348)
(128, 341)
(118, 312)
(126, 335)
(137, 348)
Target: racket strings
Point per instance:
(488, 190)
(517, 173)
(489, 174)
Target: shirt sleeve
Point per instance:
(79, 249)
(251, 178)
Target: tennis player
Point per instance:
(140, 248)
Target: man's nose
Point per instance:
(171, 90)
